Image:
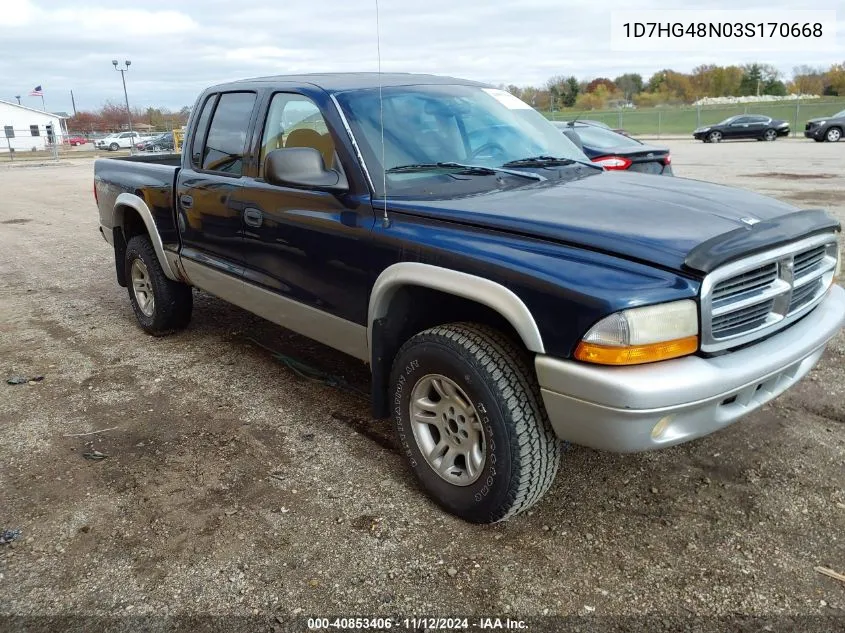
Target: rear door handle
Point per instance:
(253, 217)
(186, 201)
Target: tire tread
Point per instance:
(535, 448)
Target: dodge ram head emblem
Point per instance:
(749, 221)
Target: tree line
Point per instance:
(670, 87)
(111, 117)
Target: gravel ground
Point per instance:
(234, 486)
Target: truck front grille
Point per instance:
(756, 296)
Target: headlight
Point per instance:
(702, 129)
(642, 335)
(820, 122)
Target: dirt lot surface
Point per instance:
(233, 485)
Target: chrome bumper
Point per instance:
(630, 409)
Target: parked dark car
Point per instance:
(762, 128)
(503, 291)
(616, 151)
(828, 129)
(161, 143)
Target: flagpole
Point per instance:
(43, 105)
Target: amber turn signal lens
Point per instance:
(637, 354)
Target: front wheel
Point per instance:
(715, 137)
(470, 422)
(161, 305)
(833, 135)
(114, 147)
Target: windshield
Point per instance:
(430, 124)
(728, 120)
(839, 115)
(601, 138)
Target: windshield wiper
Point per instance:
(544, 161)
(473, 170)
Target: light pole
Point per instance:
(123, 72)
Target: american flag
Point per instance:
(37, 92)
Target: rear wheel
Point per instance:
(770, 135)
(470, 421)
(833, 135)
(161, 305)
(715, 136)
(114, 147)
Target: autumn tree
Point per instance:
(807, 80)
(629, 84)
(835, 80)
(601, 81)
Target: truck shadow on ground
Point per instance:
(658, 487)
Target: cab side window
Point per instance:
(294, 120)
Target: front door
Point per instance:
(738, 128)
(307, 246)
(208, 191)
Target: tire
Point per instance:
(171, 301)
(114, 147)
(770, 135)
(490, 381)
(715, 136)
(833, 135)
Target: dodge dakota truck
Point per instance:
(505, 292)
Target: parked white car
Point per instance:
(121, 140)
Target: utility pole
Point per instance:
(73, 102)
(123, 72)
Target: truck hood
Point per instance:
(654, 219)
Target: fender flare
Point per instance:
(135, 202)
(472, 287)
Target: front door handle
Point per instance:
(186, 201)
(253, 217)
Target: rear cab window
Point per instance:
(225, 143)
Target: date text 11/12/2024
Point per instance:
(416, 623)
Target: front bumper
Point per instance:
(617, 408)
(816, 132)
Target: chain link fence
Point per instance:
(681, 121)
(40, 143)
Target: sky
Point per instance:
(178, 47)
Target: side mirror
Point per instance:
(302, 167)
(572, 135)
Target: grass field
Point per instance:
(673, 120)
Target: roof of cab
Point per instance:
(340, 82)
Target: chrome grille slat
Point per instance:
(803, 294)
(754, 297)
(746, 282)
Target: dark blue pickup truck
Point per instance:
(505, 292)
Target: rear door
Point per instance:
(757, 125)
(208, 200)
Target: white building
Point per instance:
(26, 128)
